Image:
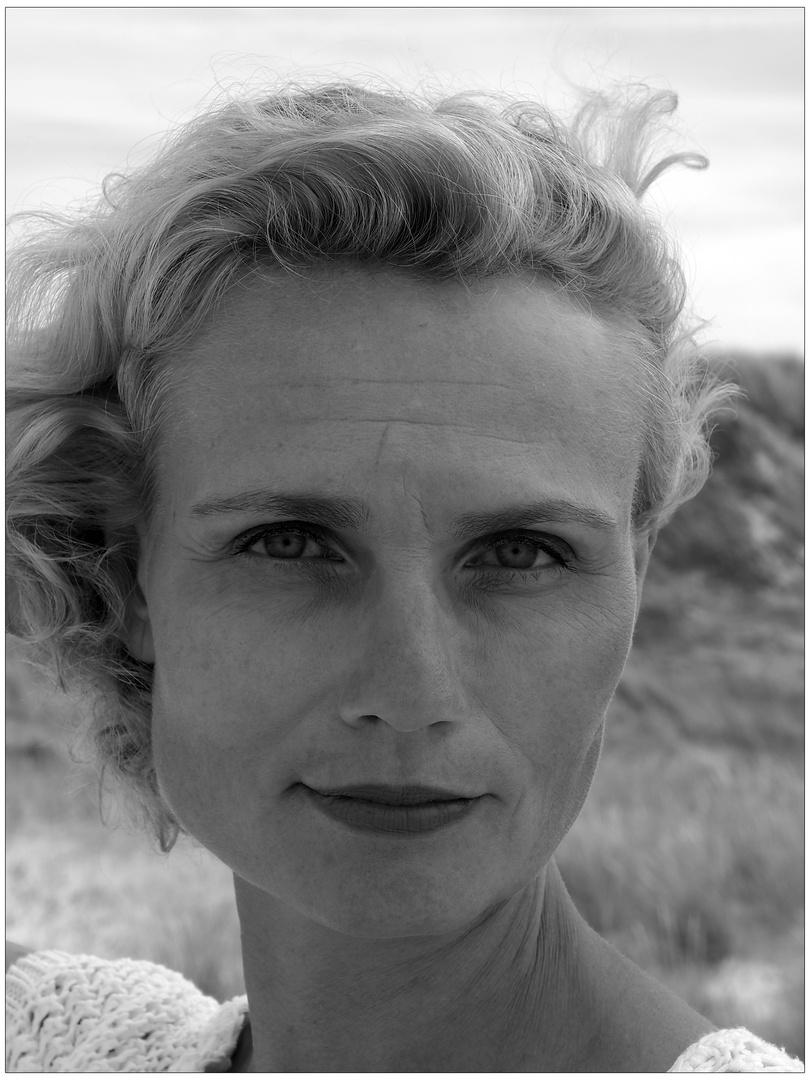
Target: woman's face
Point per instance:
(392, 547)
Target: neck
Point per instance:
(501, 994)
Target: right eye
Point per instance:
(290, 543)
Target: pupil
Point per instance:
(287, 545)
(516, 556)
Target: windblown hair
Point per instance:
(100, 299)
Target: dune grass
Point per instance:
(692, 866)
(692, 858)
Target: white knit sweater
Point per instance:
(69, 1013)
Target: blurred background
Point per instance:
(689, 853)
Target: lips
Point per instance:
(392, 810)
(394, 795)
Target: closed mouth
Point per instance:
(395, 795)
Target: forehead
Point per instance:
(477, 374)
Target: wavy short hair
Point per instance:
(468, 187)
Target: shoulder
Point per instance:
(67, 1013)
(735, 1050)
(642, 1026)
(647, 1028)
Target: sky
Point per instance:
(88, 89)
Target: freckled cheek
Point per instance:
(230, 687)
(231, 664)
(205, 783)
(549, 685)
(196, 713)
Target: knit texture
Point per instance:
(735, 1050)
(68, 1013)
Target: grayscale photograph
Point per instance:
(404, 543)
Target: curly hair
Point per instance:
(100, 298)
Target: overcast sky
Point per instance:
(85, 85)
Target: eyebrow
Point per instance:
(340, 512)
(330, 510)
(522, 515)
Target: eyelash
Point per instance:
(561, 552)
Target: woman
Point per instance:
(341, 435)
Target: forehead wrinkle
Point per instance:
(383, 440)
(357, 380)
(248, 357)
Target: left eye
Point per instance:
(286, 544)
(519, 553)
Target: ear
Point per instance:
(138, 626)
(644, 544)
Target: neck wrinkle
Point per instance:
(503, 992)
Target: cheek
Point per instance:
(548, 696)
(229, 691)
(230, 667)
(194, 733)
(548, 677)
(197, 715)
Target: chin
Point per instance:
(402, 906)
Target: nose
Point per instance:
(407, 672)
